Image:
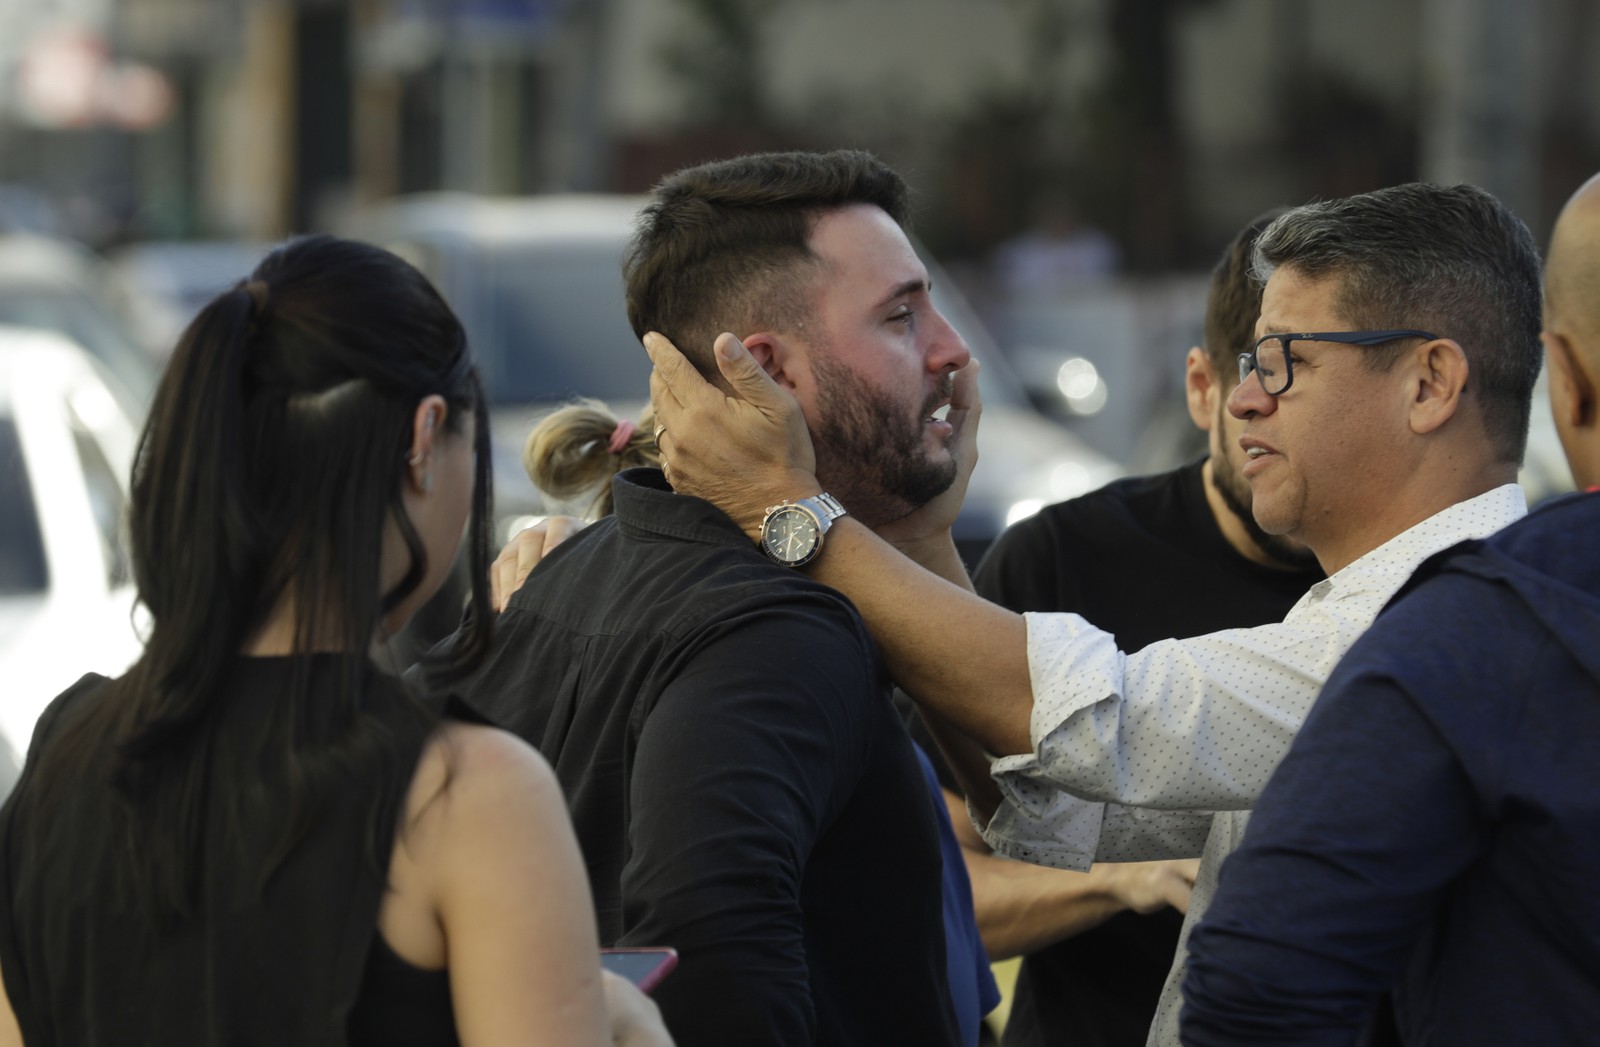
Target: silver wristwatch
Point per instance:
(791, 533)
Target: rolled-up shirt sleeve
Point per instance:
(1178, 730)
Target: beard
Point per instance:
(870, 456)
(1236, 495)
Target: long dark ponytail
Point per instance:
(272, 458)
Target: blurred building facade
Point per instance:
(1167, 121)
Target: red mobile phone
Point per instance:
(643, 967)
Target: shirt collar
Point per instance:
(1476, 517)
(647, 506)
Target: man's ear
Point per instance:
(1439, 371)
(1202, 390)
(1572, 387)
(778, 356)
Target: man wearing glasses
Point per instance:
(1470, 716)
(1145, 558)
(1386, 410)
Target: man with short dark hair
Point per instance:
(741, 786)
(1435, 826)
(1145, 559)
(1385, 405)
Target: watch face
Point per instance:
(790, 535)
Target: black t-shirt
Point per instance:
(740, 784)
(1142, 558)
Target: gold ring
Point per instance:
(659, 430)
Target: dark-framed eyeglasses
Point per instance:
(1270, 357)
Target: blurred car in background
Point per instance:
(57, 285)
(161, 284)
(537, 282)
(28, 209)
(66, 595)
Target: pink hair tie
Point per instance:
(620, 437)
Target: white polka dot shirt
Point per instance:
(1161, 753)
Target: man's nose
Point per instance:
(1249, 398)
(948, 350)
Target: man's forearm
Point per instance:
(940, 556)
(970, 765)
(1021, 908)
(962, 657)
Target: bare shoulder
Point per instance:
(489, 750)
(485, 815)
(474, 766)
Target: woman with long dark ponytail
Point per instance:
(258, 835)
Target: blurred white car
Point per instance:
(537, 281)
(57, 285)
(66, 596)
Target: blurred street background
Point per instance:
(1078, 164)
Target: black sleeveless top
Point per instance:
(296, 959)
